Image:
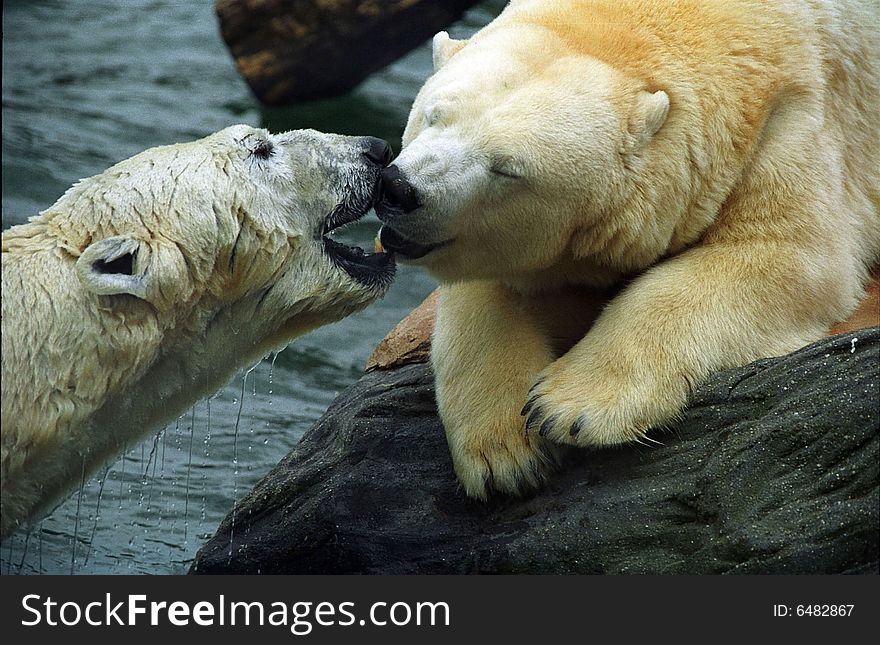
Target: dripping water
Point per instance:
(82, 484)
(27, 539)
(102, 481)
(235, 455)
(192, 432)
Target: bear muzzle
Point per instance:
(398, 197)
(378, 151)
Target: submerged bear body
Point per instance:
(146, 287)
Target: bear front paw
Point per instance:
(512, 464)
(594, 411)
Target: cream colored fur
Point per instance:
(226, 264)
(713, 163)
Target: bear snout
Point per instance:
(398, 195)
(378, 151)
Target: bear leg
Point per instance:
(486, 352)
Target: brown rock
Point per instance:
(410, 341)
(868, 313)
(295, 50)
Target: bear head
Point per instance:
(515, 151)
(241, 215)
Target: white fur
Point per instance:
(715, 165)
(228, 265)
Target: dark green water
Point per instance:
(86, 84)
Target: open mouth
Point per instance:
(375, 270)
(394, 242)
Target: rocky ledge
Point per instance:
(773, 469)
(293, 51)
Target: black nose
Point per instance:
(397, 192)
(378, 151)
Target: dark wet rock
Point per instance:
(291, 51)
(773, 469)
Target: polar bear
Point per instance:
(145, 287)
(712, 167)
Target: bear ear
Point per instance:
(648, 115)
(114, 266)
(445, 48)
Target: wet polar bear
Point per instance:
(713, 167)
(145, 287)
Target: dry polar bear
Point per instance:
(145, 287)
(713, 166)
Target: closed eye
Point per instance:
(504, 172)
(504, 166)
(263, 150)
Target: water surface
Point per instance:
(86, 84)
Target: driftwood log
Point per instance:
(773, 468)
(293, 50)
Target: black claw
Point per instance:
(534, 417)
(538, 474)
(549, 422)
(528, 405)
(577, 426)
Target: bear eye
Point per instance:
(504, 167)
(263, 150)
(504, 172)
